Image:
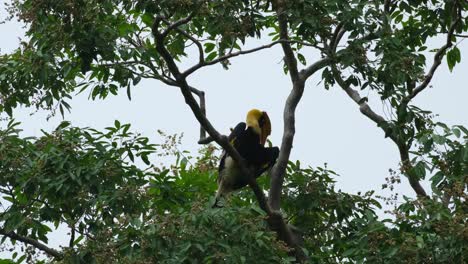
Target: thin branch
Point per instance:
(437, 60)
(176, 24)
(172, 82)
(228, 56)
(205, 140)
(50, 251)
(190, 100)
(72, 236)
(407, 169)
(337, 35)
(201, 53)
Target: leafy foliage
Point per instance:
(124, 213)
(120, 207)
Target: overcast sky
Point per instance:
(329, 126)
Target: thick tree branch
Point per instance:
(437, 60)
(382, 123)
(313, 68)
(278, 171)
(337, 35)
(50, 251)
(289, 57)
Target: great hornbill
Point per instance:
(248, 139)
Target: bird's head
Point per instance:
(260, 123)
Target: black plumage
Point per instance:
(248, 142)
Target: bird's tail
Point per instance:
(219, 194)
(216, 203)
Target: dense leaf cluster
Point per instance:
(86, 180)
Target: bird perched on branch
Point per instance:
(248, 139)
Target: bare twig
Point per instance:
(50, 251)
(199, 93)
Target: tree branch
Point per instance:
(50, 251)
(313, 68)
(407, 169)
(199, 93)
(278, 171)
(176, 24)
(201, 54)
(228, 56)
(381, 122)
(289, 57)
(354, 95)
(437, 60)
(337, 35)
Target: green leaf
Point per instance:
(456, 132)
(453, 57)
(63, 125)
(145, 159)
(211, 56)
(437, 178)
(301, 59)
(209, 47)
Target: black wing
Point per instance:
(235, 134)
(267, 159)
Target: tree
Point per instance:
(107, 45)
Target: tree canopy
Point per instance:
(120, 207)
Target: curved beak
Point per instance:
(265, 128)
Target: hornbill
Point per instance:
(248, 139)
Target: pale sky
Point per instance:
(329, 126)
